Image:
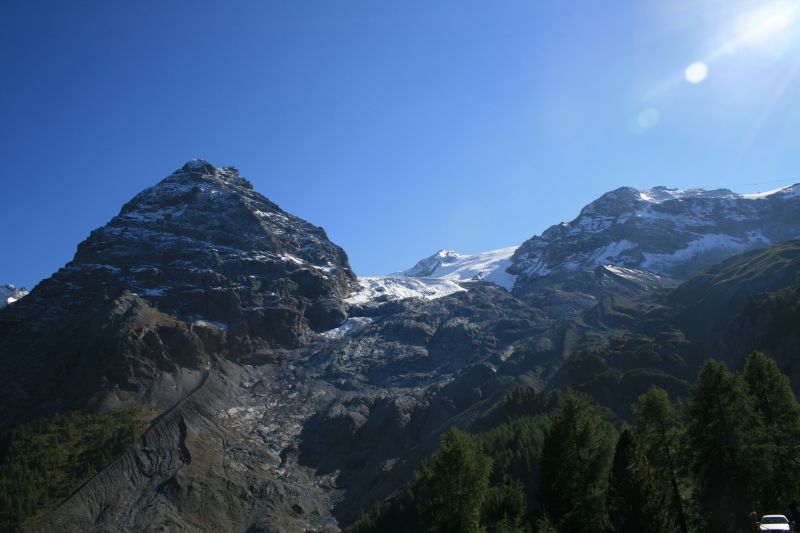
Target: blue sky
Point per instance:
(401, 127)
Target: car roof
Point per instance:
(773, 516)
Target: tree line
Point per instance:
(560, 463)
(43, 461)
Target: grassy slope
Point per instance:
(44, 461)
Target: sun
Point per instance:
(771, 28)
(760, 25)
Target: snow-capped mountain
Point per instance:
(235, 325)
(484, 266)
(668, 232)
(10, 294)
(388, 288)
(625, 242)
(204, 245)
(195, 261)
(441, 274)
(647, 239)
(273, 373)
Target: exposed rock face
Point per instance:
(658, 236)
(409, 372)
(290, 395)
(202, 244)
(308, 440)
(198, 264)
(748, 302)
(449, 265)
(10, 294)
(665, 231)
(227, 315)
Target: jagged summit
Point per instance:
(426, 267)
(199, 165)
(453, 266)
(443, 273)
(198, 258)
(666, 231)
(203, 243)
(206, 171)
(663, 194)
(201, 216)
(236, 326)
(10, 294)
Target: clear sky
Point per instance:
(401, 127)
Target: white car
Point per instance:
(774, 522)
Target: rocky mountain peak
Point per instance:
(203, 215)
(200, 166)
(672, 233)
(662, 194)
(666, 231)
(198, 262)
(10, 294)
(206, 303)
(613, 202)
(426, 267)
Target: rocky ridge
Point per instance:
(261, 423)
(10, 294)
(450, 265)
(630, 242)
(196, 265)
(289, 395)
(668, 232)
(627, 242)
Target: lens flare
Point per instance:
(758, 26)
(696, 72)
(644, 121)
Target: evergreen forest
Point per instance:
(557, 462)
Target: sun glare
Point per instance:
(696, 72)
(762, 24)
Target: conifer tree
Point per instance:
(545, 525)
(725, 440)
(576, 458)
(659, 433)
(636, 499)
(452, 485)
(779, 412)
(505, 507)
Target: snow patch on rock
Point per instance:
(484, 266)
(10, 294)
(671, 232)
(387, 288)
(350, 326)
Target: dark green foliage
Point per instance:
(576, 458)
(513, 441)
(44, 461)
(367, 523)
(520, 402)
(782, 307)
(637, 500)
(545, 525)
(779, 414)
(734, 448)
(452, 485)
(515, 447)
(396, 516)
(726, 443)
(505, 508)
(632, 351)
(659, 433)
